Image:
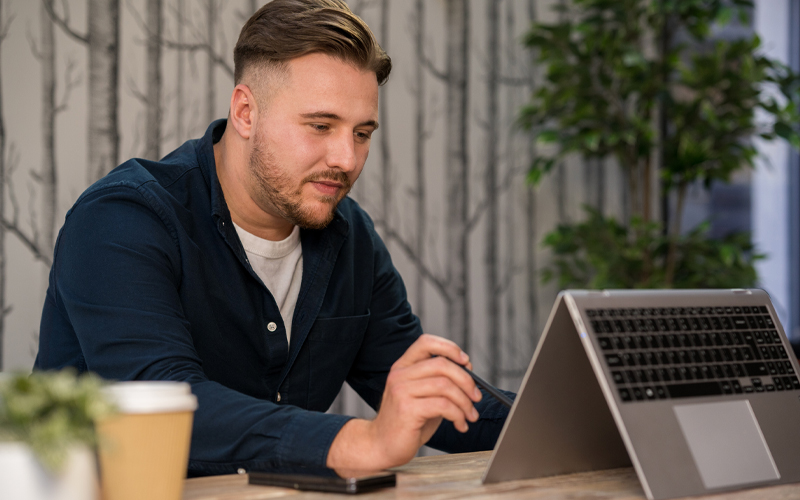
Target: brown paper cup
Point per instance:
(144, 449)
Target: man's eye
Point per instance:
(319, 127)
(363, 135)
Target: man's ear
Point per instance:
(244, 111)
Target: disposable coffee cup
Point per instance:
(144, 448)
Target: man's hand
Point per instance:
(424, 386)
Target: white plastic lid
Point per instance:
(152, 396)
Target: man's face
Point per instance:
(312, 139)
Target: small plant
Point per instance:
(602, 253)
(51, 412)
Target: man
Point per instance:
(237, 264)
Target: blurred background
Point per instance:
(525, 146)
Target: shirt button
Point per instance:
(241, 471)
(279, 397)
(271, 326)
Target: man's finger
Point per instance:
(441, 367)
(439, 387)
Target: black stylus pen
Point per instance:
(494, 391)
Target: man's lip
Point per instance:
(329, 183)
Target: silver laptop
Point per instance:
(697, 389)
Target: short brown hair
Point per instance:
(285, 29)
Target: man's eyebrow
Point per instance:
(334, 116)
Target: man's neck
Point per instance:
(231, 166)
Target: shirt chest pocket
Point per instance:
(333, 344)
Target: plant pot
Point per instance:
(22, 477)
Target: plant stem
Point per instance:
(675, 233)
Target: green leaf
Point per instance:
(547, 136)
(783, 130)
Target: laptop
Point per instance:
(698, 390)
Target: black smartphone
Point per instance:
(303, 478)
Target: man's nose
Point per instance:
(342, 152)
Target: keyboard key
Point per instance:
(737, 387)
(694, 390)
(624, 394)
(628, 359)
(630, 376)
(789, 367)
(728, 371)
(778, 383)
(781, 352)
(649, 393)
(661, 392)
(605, 343)
(638, 394)
(618, 377)
(755, 369)
(726, 387)
(751, 322)
(769, 322)
(614, 360)
(773, 370)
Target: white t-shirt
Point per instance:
(279, 264)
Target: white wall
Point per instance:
(771, 178)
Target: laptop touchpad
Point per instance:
(726, 443)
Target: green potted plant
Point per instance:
(617, 85)
(47, 435)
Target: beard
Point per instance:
(273, 188)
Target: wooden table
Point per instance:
(459, 476)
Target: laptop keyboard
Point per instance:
(663, 353)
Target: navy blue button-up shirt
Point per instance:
(150, 281)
